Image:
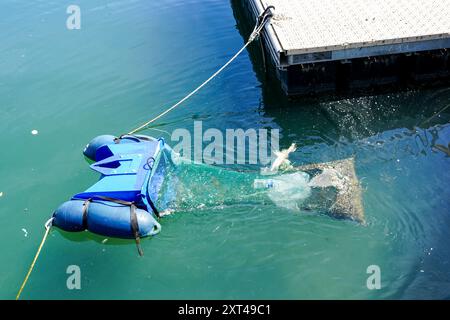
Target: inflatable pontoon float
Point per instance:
(121, 203)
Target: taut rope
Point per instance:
(260, 23)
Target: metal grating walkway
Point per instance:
(305, 31)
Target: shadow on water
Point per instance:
(85, 236)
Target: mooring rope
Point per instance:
(263, 18)
(435, 115)
(260, 23)
(48, 226)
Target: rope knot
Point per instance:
(263, 18)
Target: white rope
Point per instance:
(262, 20)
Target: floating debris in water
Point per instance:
(288, 190)
(282, 158)
(104, 241)
(1, 194)
(348, 202)
(34, 132)
(166, 212)
(25, 232)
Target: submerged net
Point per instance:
(330, 188)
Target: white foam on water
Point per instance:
(166, 212)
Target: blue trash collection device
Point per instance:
(121, 203)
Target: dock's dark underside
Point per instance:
(375, 73)
(427, 68)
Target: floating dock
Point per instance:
(336, 45)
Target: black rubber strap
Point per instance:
(135, 228)
(85, 212)
(124, 136)
(125, 203)
(118, 139)
(133, 217)
(141, 137)
(152, 205)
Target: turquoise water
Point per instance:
(133, 58)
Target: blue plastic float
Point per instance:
(121, 203)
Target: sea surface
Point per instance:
(130, 60)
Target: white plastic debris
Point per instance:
(289, 190)
(166, 212)
(104, 240)
(282, 157)
(1, 194)
(34, 132)
(25, 232)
